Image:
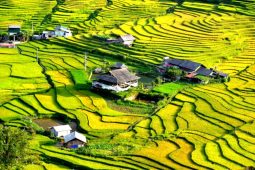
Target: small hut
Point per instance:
(61, 31)
(127, 39)
(60, 131)
(74, 140)
(14, 30)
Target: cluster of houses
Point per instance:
(117, 79)
(71, 139)
(191, 69)
(120, 79)
(59, 31)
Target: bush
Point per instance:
(174, 73)
(104, 149)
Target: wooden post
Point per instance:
(85, 61)
(37, 57)
(32, 28)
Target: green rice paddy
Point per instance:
(202, 127)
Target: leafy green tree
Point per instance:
(180, 2)
(174, 72)
(109, 2)
(13, 147)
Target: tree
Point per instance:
(170, 10)
(13, 147)
(180, 2)
(109, 2)
(174, 73)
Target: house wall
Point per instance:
(109, 87)
(63, 33)
(60, 134)
(74, 142)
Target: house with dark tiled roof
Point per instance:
(192, 69)
(116, 80)
(185, 65)
(205, 72)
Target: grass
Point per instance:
(169, 88)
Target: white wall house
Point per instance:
(60, 131)
(61, 31)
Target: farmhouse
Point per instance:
(60, 131)
(192, 69)
(74, 140)
(14, 30)
(116, 80)
(185, 65)
(60, 31)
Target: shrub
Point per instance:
(104, 149)
(174, 73)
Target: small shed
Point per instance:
(14, 30)
(223, 75)
(118, 65)
(47, 34)
(185, 65)
(127, 39)
(60, 131)
(74, 140)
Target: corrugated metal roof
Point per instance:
(61, 128)
(123, 75)
(75, 135)
(127, 37)
(204, 71)
(184, 64)
(14, 26)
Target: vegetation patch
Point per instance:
(170, 89)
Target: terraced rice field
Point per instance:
(202, 127)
